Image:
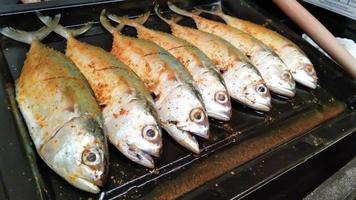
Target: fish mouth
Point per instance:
(191, 144)
(308, 83)
(86, 185)
(261, 107)
(223, 116)
(220, 111)
(145, 159)
(139, 156)
(305, 79)
(289, 92)
(203, 131)
(184, 138)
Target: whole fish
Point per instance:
(127, 107)
(272, 69)
(61, 114)
(209, 81)
(177, 102)
(243, 81)
(295, 59)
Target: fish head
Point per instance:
(246, 86)
(216, 97)
(136, 132)
(220, 107)
(301, 67)
(78, 152)
(306, 74)
(257, 96)
(281, 83)
(181, 112)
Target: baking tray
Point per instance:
(314, 119)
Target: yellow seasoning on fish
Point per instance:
(179, 105)
(208, 80)
(243, 81)
(61, 113)
(295, 59)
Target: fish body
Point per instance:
(129, 117)
(63, 118)
(208, 80)
(243, 81)
(272, 69)
(179, 105)
(295, 59)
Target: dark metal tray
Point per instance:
(244, 154)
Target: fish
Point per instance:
(208, 80)
(277, 76)
(179, 105)
(61, 113)
(244, 83)
(129, 116)
(296, 60)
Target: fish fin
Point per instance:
(201, 10)
(174, 19)
(197, 11)
(215, 10)
(105, 22)
(61, 30)
(180, 11)
(29, 37)
(125, 20)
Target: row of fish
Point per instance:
(174, 81)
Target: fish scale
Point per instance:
(295, 59)
(209, 82)
(179, 104)
(66, 121)
(241, 78)
(127, 107)
(129, 117)
(272, 69)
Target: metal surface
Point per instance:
(308, 113)
(341, 185)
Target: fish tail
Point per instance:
(216, 10)
(125, 20)
(174, 19)
(105, 22)
(29, 37)
(180, 11)
(61, 30)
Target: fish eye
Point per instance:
(221, 97)
(287, 75)
(309, 69)
(150, 132)
(90, 157)
(261, 89)
(197, 115)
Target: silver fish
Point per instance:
(129, 117)
(62, 115)
(208, 80)
(177, 102)
(295, 59)
(243, 81)
(272, 69)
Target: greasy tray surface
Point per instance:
(289, 118)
